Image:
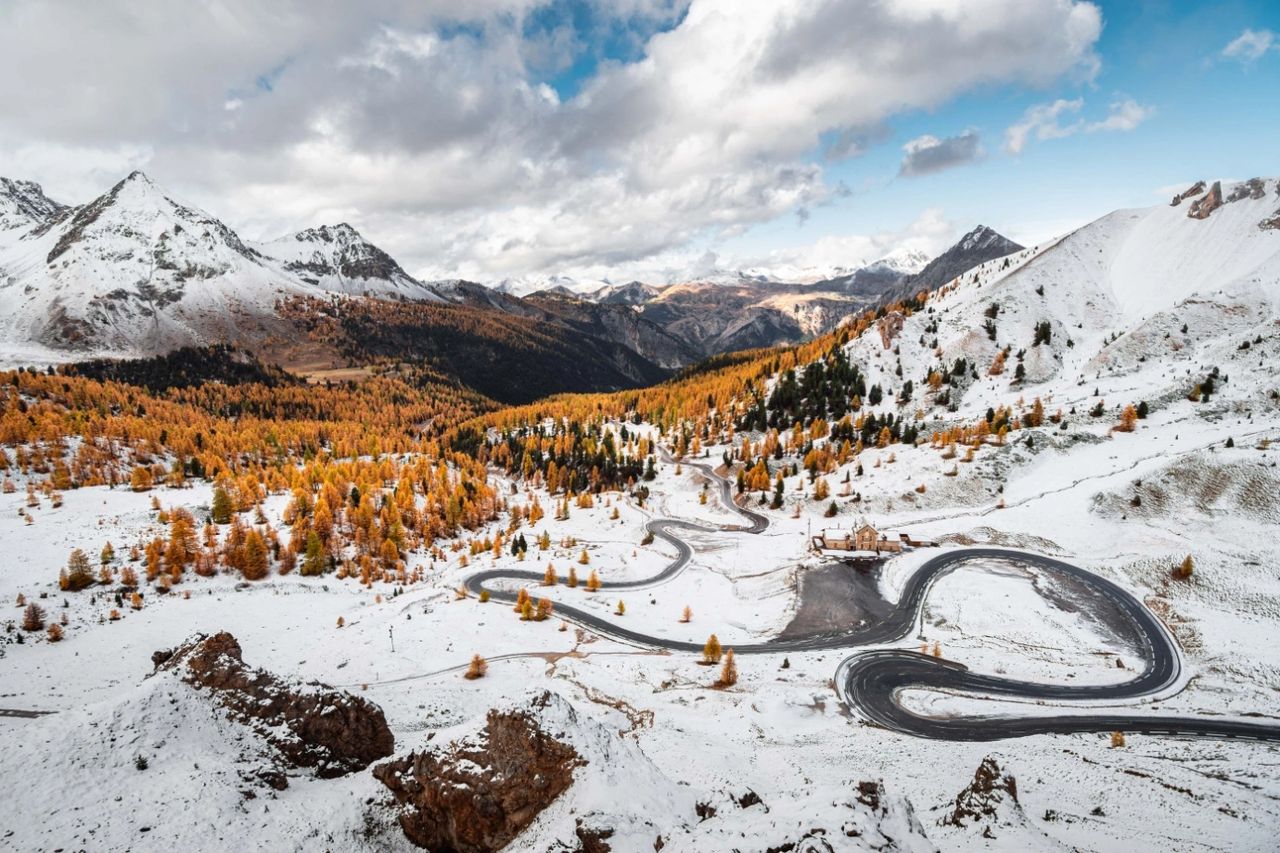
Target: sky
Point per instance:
(650, 139)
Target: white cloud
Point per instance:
(1249, 46)
(1043, 122)
(1122, 115)
(431, 126)
(1061, 118)
(928, 154)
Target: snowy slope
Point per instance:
(1116, 295)
(649, 724)
(199, 763)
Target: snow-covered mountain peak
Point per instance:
(901, 260)
(982, 237)
(340, 233)
(139, 196)
(338, 258)
(139, 178)
(133, 270)
(525, 285)
(136, 222)
(631, 293)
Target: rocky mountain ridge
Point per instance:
(23, 204)
(338, 258)
(134, 272)
(980, 245)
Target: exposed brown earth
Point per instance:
(476, 797)
(311, 725)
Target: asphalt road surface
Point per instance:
(871, 681)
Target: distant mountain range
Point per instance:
(896, 264)
(135, 272)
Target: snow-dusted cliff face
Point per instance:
(132, 271)
(339, 259)
(980, 245)
(23, 204)
(136, 272)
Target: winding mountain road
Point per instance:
(872, 681)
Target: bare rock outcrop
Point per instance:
(881, 821)
(1207, 203)
(890, 326)
(982, 799)
(592, 840)
(310, 725)
(1272, 223)
(1254, 188)
(476, 795)
(1193, 190)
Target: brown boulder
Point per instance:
(1207, 203)
(311, 725)
(475, 796)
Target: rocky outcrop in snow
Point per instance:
(1254, 188)
(889, 326)
(983, 799)
(540, 771)
(1191, 191)
(477, 795)
(1208, 203)
(885, 822)
(592, 840)
(311, 725)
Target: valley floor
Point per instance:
(70, 778)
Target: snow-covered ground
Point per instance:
(1198, 478)
(781, 732)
